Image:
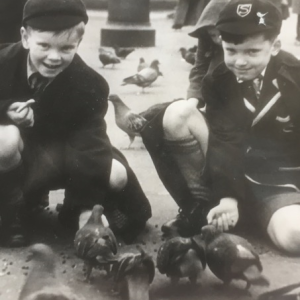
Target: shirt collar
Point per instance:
(30, 69)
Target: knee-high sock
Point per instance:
(188, 156)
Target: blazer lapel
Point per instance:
(269, 96)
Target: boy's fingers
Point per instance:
(213, 213)
(215, 223)
(25, 105)
(220, 224)
(225, 222)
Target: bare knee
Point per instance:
(176, 118)
(11, 147)
(118, 176)
(284, 229)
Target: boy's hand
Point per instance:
(21, 113)
(225, 215)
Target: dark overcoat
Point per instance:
(70, 112)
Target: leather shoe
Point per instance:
(186, 225)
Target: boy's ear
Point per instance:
(276, 47)
(24, 37)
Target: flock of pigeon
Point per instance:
(146, 74)
(228, 256)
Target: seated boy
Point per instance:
(249, 135)
(52, 130)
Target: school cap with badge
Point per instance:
(245, 17)
(54, 15)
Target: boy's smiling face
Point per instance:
(50, 53)
(248, 59)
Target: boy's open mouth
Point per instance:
(53, 67)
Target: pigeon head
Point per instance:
(42, 256)
(154, 63)
(182, 51)
(39, 252)
(96, 216)
(113, 98)
(209, 232)
(142, 60)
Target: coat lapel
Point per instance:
(268, 98)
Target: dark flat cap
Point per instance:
(245, 17)
(54, 15)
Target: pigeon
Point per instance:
(96, 244)
(108, 58)
(128, 121)
(193, 49)
(42, 282)
(181, 257)
(188, 56)
(145, 77)
(231, 257)
(133, 274)
(142, 64)
(123, 52)
(282, 293)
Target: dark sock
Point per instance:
(188, 156)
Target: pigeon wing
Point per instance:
(148, 75)
(135, 122)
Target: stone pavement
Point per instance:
(13, 266)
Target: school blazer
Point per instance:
(261, 146)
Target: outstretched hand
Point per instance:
(21, 113)
(225, 215)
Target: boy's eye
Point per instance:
(230, 51)
(43, 45)
(253, 51)
(68, 48)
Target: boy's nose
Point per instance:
(54, 56)
(241, 61)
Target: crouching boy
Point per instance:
(52, 128)
(249, 138)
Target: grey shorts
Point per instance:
(265, 201)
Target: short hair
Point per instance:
(79, 29)
(269, 35)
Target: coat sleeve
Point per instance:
(198, 71)
(226, 143)
(88, 148)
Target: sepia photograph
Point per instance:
(149, 149)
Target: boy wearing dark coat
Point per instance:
(52, 128)
(248, 139)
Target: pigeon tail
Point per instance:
(254, 276)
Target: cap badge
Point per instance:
(244, 10)
(262, 18)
